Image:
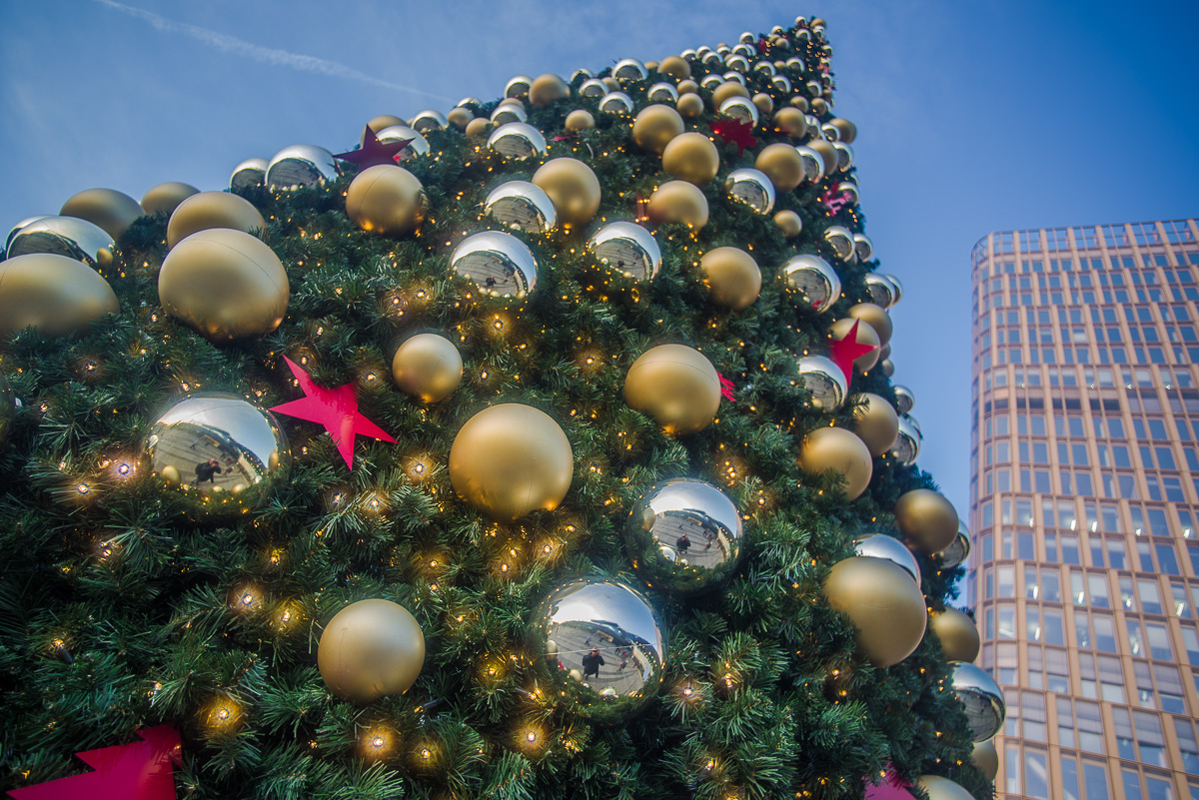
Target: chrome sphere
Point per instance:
(737, 61)
(841, 240)
(882, 291)
(499, 264)
(593, 87)
(824, 381)
(813, 281)
(507, 113)
(957, 553)
(629, 69)
(617, 103)
(417, 144)
(863, 247)
(880, 545)
(711, 81)
(663, 93)
(765, 68)
(741, 109)
(517, 141)
(521, 205)
(782, 83)
(813, 164)
(752, 188)
(907, 444)
(518, 86)
(301, 165)
(849, 191)
(982, 699)
(844, 155)
(249, 173)
(628, 248)
(905, 399)
(428, 120)
(65, 236)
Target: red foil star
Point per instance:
(373, 152)
(336, 409)
(737, 131)
(138, 771)
(844, 352)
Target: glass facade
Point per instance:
(1084, 500)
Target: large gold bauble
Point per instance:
(579, 120)
(866, 335)
(876, 317)
(732, 277)
(726, 90)
(371, 649)
(107, 208)
(986, 759)
(847, 129)
(655, 126)
(224, 283)
(679, 201)
(428, 366)
(460, 117)
(55, 294)
(782, 164)
(939, 788)
(548, 88)
(764, 103)
(208, 210)
(385, 121)
(166, 197)
(573, 188)
(691, 157)
(511, 459)
(926, 519)
(789, 223)
(876, 423)
(675, 67)
(386, 199)
(676, 385)
(690, 105)
(790, 122)
(477, 128)
(828, 154)
(843, 452)
(958, 634)
(884, 604)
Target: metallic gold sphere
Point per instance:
(981, 698)
(688, 87)
(655, 126)
(107, 208)
(511, 459)
(819, 106)
(690, 105)
(224, 283)
(166, 197)
(65, 236)
(460, 117)
(384, 121)
(764, 103)
(546, 89)
(926, 519)
(782, 164)
(876, 317)
(986, 759)
(828, 154)
(677, 386)
(208, 210)
(675, 67)
(789, 223)
(573, 187)
(727, 90)
(732, 277)
(939, 788)
(790, 122)
(53, 293)
(478, 128)
(958, 634)
(579, 120)
(427, 365)
(841, 451)
(847, 129)
(812, 282)
(371, 649)
(884, 604)
(876, 423)
(840, 329)
(386, 199)
(679, 201)
(691, 157)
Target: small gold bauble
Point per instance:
(209, 210)
(866, 335)
(511, 459)
(579, 120)
(847, 129)
(478, 128)
(764, 103)
(782, 164)
(939, 788)
(819, 106)
(679, 201)
(612, 84)
(927, 520)
(655, 126)
(828, 154)
(428, 366)
(986, 759)
(677, 386)
(690, 105)
(841, 451)
(460, 117)
(732, 277)
(371, 649)
(546, 89)
(57, 295)
(675, 67)
(958, 634)
(876, 317)
(789, 223)
(726, 90)
(875, 423)
(224, 283)
(884, 604)
(386, 199)
(688, 87)
(170, 473)
(573, 188)
(691, 157)
(166, 197)
(789, 121)
(107, 209)
(385, 121)
(800, 102)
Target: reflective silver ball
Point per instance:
(507, 113)
(765, 68)
(428, 120)
(629, 69)
(12, 233)
(882, 291)
(417, 144)
(734, 76)
(65, 236)
(957, 553)
(663, 93)
(737, 61)
(516, 141)
(468, 101)
(841, 240)
(581, 73)
(521, 205)
(712, 59)
(518, 86)
(813, 164)
(301, 165)
(745, 49)
(627, 248)
(593, 87)
(880, 545)
(863, 247)
(905, 400)
(782, 83)
(898, 288)
(830, 132)
(813, 280)
(844, 155)
(616, 103)
(824, 380)
(982, 699)
(248, 174)
(849, 191)
(907, 444)
(711, 81)
(499, 264)
(751, 187)
(741, 109)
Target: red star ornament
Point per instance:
(373, 152)
(336, 409)
(737, 131)
(843, 352)
(138, 771)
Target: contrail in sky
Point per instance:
(266, 55)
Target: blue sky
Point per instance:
(973, 116)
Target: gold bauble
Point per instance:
(612, 84)
(866, 335)
(655, 126)
(876, 423)
(166, 197)
(573, 188)
(651, 65)
(926, 519)
(828, 154)
(57, 295)
(732, 277)
(876, 317)
(841, 451)
(939, 788)
(170, 474)
(691, 157)
(690, 105)
(800, 102)
(107, 209)
(847, 129)
(460, 117)
(676, 385)
(688, 87)
(679, 201)
(783, 164)
(788, 223)
(428, 366)
(789, 121)
(371, 649)
(958, 634)
(579, 120)
(386, 199)
(511, 459)
(675, 67)
(726, 90)
(224, 283)
(385, 121)
(884, 604)
(546, 89)
(478, 128)
(764, 103)
(819, 106)
(986, 758)
(208, 210)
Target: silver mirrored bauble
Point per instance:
(957, 553)
(663, 93)
(814, 89)
(982, 699)
(880, 545)
(684, 536)
(751, 187)
(905, 399)
(863, 246)
(795, 64)
(590, 620)
(521, 205)
(417, 144)
(898, 288)
(581, 74)
(880, 288)
(516, 141)
(301, 165)
(507, 113)
(907, 443)
(813, 164)
(627, 248)
(12, 233)
(745, 50)
(746, 38)
(689, 54)
(813, 280)
(915, 425)
(500, 264)
(765, 68)
(824, 381)
(593, 87)
(711, 81)
(428, 120)
(737, 62)
(830, 132)
(849, 191)
(781, 83)
(518, 86)
(629, 69)
(844, 155)
(65, 236)
(841, 240)
(713, 59)
(469, 101)
(741, 109)
(249, 173)
(616, 103)
(735, 77)
(213, 444)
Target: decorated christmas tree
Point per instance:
(543, 449)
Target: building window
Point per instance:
(1095, 777)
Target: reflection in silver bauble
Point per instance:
(300, 165)
(617, 103)
(521, 205)
(813, 281)
(248, 174)
(500, 264)
(629, 69)
(663, 93)
(751, 187)
(824, 380)
(841, 240)
(881, 289)
(957, 553)
(880, 545)
(905, 400)
(982, 699)
(907, 444)
(65, 236)
(863, 247)
(417, 144)
(516, 141)
(628, 248)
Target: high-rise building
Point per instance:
(1084, 505)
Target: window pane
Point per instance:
(1036, 779)
(1159, 789)
(1095, 776)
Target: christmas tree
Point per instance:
(560, 496)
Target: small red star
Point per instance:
(737, 131)
(844, 352)
(336, 409)
(373, 152)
